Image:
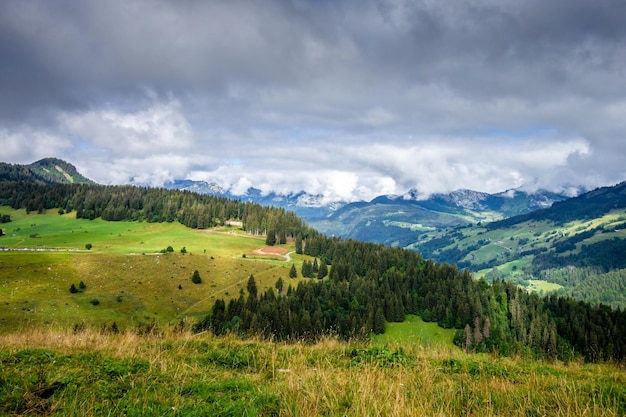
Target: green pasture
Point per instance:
(415, 331)
(124, 271)
(542, 286)
(52, 231)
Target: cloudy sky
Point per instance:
(347, 98)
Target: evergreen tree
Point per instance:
(323, 270)
(73, 289)
(195, 278)
(299, 243)
(292, 272)
(306, 269)
(252, 289)
(280, 285)
(379, 321)
(270, 239)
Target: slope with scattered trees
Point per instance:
(369, 284)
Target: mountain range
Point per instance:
(576, 245)
(396, 220)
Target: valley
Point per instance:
(100, 309)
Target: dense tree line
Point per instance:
(591, 284)
(130, 203)
(605, 255)
(371, 284)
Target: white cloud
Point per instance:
(157, 129)
(337, 98)
(26, 145)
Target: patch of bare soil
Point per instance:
(270, 251)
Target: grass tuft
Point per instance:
(47, 372)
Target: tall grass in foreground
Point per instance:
(63, 373)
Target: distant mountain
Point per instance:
(201, 187)
(577, 245)
(44, 171)
(397, 220)
(303, 204)
(402, 220)
(588, 205)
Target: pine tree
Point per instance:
(323, 270)
(73, 289)
(195, 278)
(252, 289)
(468, 337)
(379, 321)
(299, 243)
(270, 240)
(293, 273)
(280, 285)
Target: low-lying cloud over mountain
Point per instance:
(346, 99)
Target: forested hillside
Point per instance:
(577, 245)
(44, 171)
(116, 203)
(370, 284)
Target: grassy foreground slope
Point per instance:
(179, 374)
(124, 271)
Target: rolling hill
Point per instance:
(402, 220)
(578, 244)
(44, 171)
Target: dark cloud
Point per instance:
(297, 94)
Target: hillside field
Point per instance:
(518, 253)
(124, 270)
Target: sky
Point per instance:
(345, 98)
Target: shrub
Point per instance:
(94, 302)
(195, 278)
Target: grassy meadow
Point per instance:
(128, 281)
(62, 373)
(413, 330)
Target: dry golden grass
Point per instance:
(173, 373)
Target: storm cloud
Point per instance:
(350, 99)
